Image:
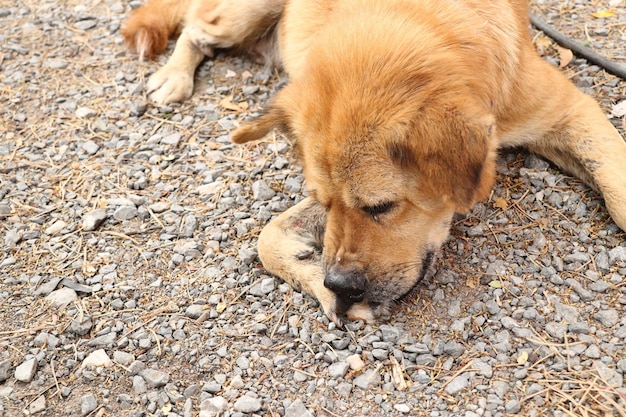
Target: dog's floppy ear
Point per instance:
(274, 117)
(470, 159)
(457, 163)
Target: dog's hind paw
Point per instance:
(169, 85)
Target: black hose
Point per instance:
(610, 66)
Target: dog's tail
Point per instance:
(150, 26)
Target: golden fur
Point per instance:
(397, 108)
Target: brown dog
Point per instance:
(397, 109)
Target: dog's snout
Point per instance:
(349, 285)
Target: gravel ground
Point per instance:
(130, 286)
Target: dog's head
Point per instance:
(392, 152)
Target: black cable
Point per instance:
(610, 66)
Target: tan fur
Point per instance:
(398, 108)
(149, 27)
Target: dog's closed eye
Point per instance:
(378, 209)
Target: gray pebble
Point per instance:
(103, 341)
(513, 407)
(261, 191)
(6, 366)
(86, 24)
(125, 212)
(81, 325)
(93, 219)
(139, 385)
(617, 254)
(368, 380)
(458, 384)
(88, 403)
(26, 370)
(123, 358)
(600, 286)
(155, 378)
(85, 113)
(403, 408)
(90, 147)
(608, 318)
(338, 369)
(62, 297)
(38, 405)
(297, 409)
(247, 404)
(213, 406)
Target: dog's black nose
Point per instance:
(349, 285)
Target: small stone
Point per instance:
(38, 405)
(355, 362)
(93, 219)
(123, 358)
(12, 238)
(600, 286)
(55, 227)
(557, 330)
(390, 333)
(368, 380)
(483, 368)
(617, 254)
(139, 385)
(300, 376)
(458, 384)
(8, 261)
(85, 113)
(297, 409)
(88, 404)
(125, 212)
(213, 406)
(237, 382)
(138, 108)
(86, 24)
(611, 376)
(338, 370)
(608, 318)
(97, 358)
(403, 408)
(566, 313)
(212, 387)
(81, 325)
(247, 404)
(155, 378)
(104, 340)
(194, 311)
(172, 139)
(5, 369)
(261, 191)
(90, 147)
(62, 297)
(26, 371)
(512, 407)
(160, 206)
(453, 348)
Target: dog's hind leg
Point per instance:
(211, 24)
(290, 247)
(582, 141)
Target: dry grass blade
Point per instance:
(574, 392)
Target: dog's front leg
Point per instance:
(174, 81)
(290, 247)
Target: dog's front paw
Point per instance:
(170, 85)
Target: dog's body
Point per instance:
(397, 108)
